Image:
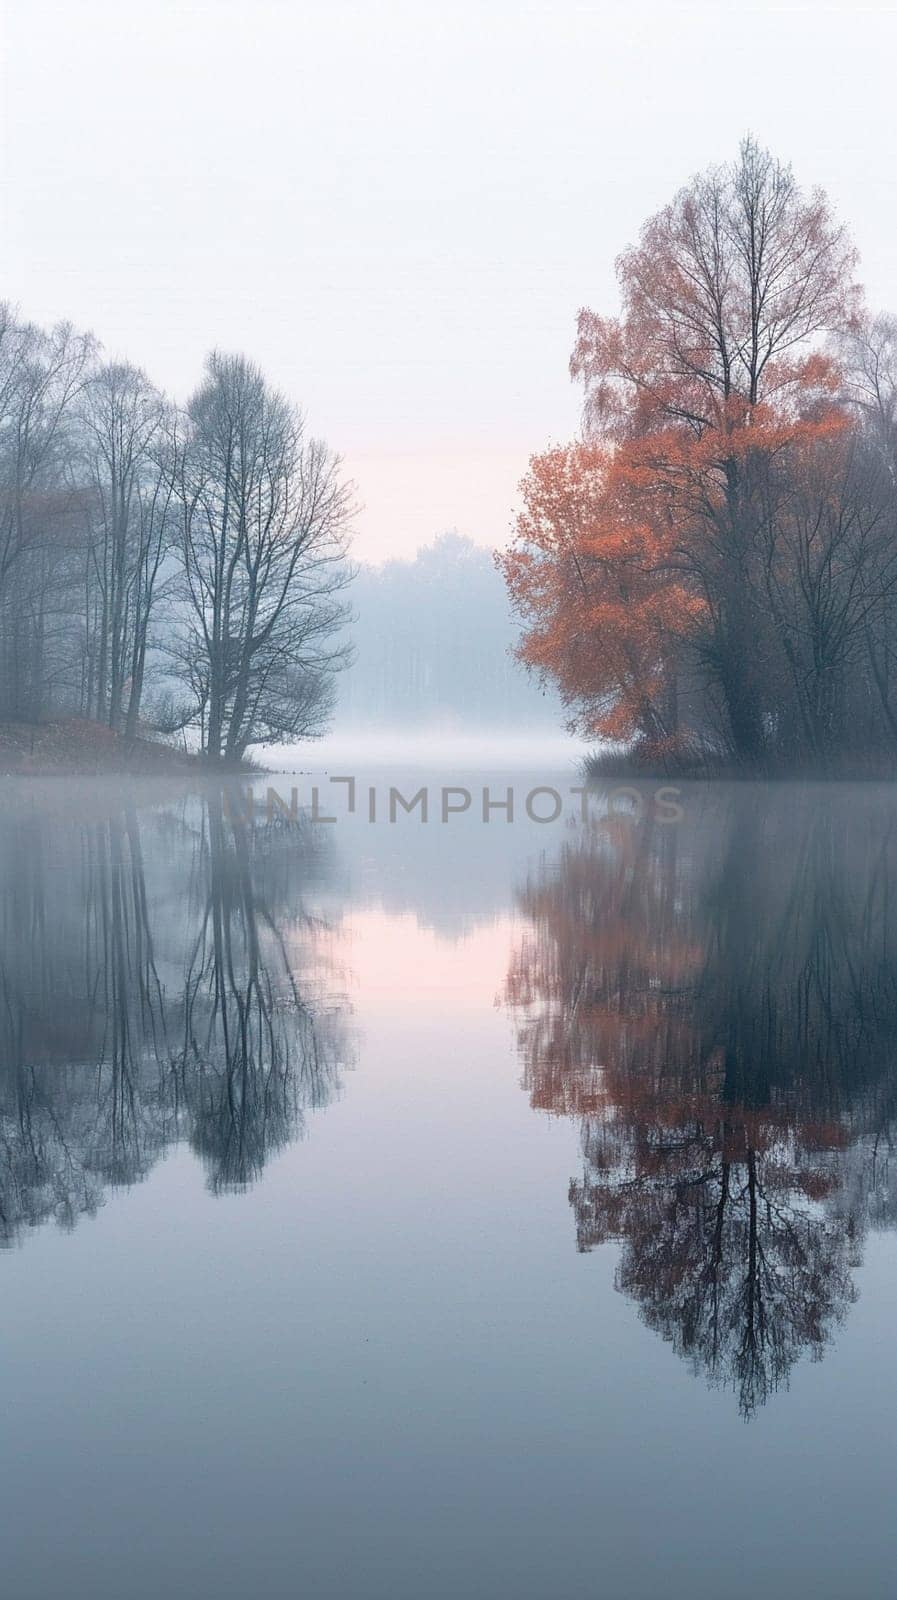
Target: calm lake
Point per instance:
(492, 1208)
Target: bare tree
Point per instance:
(264, 515)
(41, 375)
(869, 361)
(129, 470)
(868, 357)
(831, 578)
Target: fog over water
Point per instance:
(400, 1208)
(441, 748)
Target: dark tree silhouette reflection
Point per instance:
(717, 1003)
(160, 980)
(253, 1057)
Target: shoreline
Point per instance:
(73, 747)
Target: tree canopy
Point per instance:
(712, 564)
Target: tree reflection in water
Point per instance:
(717, 1003)
(160, 980)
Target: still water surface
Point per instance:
(402, 1210)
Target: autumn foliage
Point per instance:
(651, 557)
(594, 572)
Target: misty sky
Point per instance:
(397, 208)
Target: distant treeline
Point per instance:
(433, 641)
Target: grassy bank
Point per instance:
(647, 761)
(72, 746)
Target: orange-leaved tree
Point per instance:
(713, 377)
(589, 574)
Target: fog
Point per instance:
(433, 680)
(442, 747)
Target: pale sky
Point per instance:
(397, 206)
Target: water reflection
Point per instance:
(160, 981)
(716, 1002)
